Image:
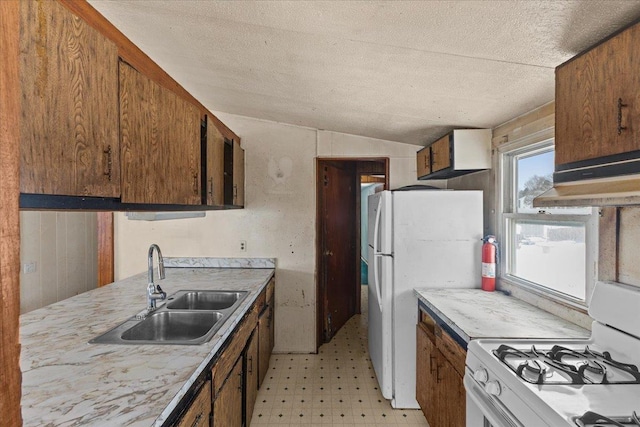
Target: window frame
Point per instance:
(506, 182)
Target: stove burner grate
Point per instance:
(594, 419)
(536, 365)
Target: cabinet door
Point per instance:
(251, 383)
(200, 410)
(424, 162)
(215, 166)
(425, 371)
(440, 154)
(69, 84)
(160, 143)
(588, 90)
(265, 344)
(238, 174)
(451, 395)
(271, 325)
(227, 408)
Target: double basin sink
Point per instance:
(188, 317)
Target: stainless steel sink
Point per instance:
(189, 317)
(205, 300)
(173, 326)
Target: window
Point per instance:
(550, 250)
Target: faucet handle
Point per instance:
(159, 289)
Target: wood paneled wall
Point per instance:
(10, 375)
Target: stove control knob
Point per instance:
(481, 375)
(493, 388)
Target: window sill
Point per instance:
(571, 311)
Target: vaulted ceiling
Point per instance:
(405, 71)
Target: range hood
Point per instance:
(614, 191)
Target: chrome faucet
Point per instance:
(155, 292)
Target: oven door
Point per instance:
(484, 411)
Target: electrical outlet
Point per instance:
(29, 267)
(243, 245)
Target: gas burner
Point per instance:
(562, 365)
(592, 419)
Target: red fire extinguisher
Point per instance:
(489, 258)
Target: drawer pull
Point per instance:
(211, 187)
(195, 182)
(109, 162)
(620, 107)
(251, 364)
(196, 422)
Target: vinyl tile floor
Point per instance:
(336, 387)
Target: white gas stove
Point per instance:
(537, 383)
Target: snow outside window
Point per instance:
(548, 249)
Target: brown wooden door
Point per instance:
(227, 408)
(238, 174)
(215, 166)
(271, 324)
(338, 244)
(587, 92)
(69, 83)
(160, 143)
(251, 382)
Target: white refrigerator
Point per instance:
(417, 239)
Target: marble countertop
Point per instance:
(66, 381)
(473, 313)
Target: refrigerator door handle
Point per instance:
(376, 254)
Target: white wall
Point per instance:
(63, 248)
(278, 220)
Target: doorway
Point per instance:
(338, 219)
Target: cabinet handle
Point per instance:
(196, 422)
(195, 182)
(431, 357)
(620, 107)
(251, 364)
(235, 193)
(109, 162)
(240, 381)
(438, 379)
(211, 187)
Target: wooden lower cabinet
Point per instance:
(439, 373)
(227, 406)
(264, 350)
(425, 371)
(251, 377)
(199, 413)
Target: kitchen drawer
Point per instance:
(428, 324)
(451, 350)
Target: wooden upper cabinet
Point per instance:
(214, 166)
(238, 174)
(598, 101)
(159, 143)
(423, 159)
(69, 83)
(441, 155)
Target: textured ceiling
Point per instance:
(404, 71)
